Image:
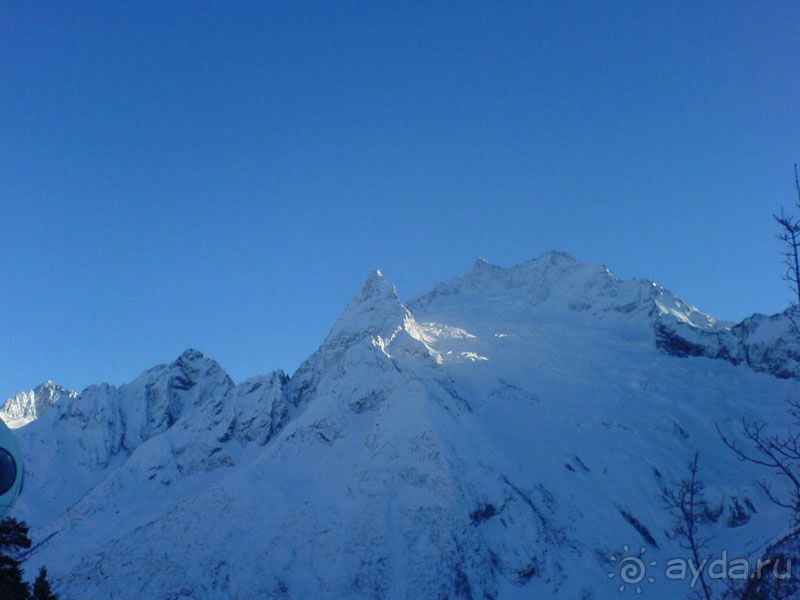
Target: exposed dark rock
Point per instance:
(765, 344)
(639, 527)
(483, 513)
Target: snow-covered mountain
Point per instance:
(30, 405)
(500, 436)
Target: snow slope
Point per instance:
(500, 436)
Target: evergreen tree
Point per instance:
(12, 586)
(13, 537)
(41, 587)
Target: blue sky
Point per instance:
(225, 175)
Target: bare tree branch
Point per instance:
(686, 502)
(789, 236)
(797, 185)
(777, 453)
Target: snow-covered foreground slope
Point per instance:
(502, 436)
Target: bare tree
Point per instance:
(789, 235)
(780, 453)
(686, 502)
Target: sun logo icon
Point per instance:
(632, 569)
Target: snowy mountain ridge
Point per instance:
(500, 436)
(556, 281)
(29, 405)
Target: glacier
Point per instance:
(503, 435)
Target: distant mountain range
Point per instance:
(503, 435)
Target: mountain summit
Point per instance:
(30, 405)
(502, 435)
(376, 309)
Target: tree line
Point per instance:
(14, 540)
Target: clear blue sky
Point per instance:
(225, 175)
